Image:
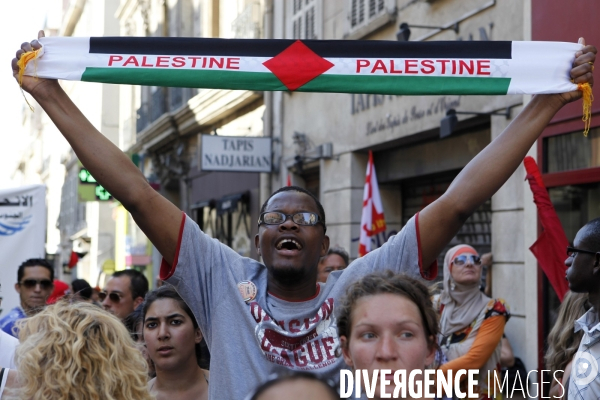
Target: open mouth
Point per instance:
(288, 244)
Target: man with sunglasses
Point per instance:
(260, 318)
(35, 279)
(583, 274)
(124, 292)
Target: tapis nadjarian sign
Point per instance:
(343, 66)
(236, 153)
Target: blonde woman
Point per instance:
(563, 342)
(77, 351)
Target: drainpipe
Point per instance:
(266, 179)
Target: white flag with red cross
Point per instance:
(372, 221)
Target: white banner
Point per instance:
(22, 235)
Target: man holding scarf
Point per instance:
(259, 319)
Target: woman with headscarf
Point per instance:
(471, 324)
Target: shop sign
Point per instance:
(236, 153)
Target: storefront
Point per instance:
(421, 183)
(570, 162)
(226, 206)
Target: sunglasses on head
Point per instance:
(113, 296)
(31, 283)
(463, 259)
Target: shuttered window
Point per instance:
(303, 19)
(362, 11)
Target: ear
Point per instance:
(596, 267)
(324, 246)
(344, 345)
(18, 288)
(197, 336)
(257, 244)
(138, 300)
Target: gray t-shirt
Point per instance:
(250, 340)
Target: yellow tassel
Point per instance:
(588, 98)
(22, 63)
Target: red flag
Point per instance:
(372, 221)
(60, 290)
(73, 260)
(551, 246)
(289, 180)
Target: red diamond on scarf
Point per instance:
(297, 65)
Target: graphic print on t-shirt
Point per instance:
(306, 344)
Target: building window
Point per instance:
(228, 220)
(572, 151)
(247, 25)
(418, 193)
(362, 11)
(304, 19)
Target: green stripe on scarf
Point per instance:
(377, 84)
(209, 79)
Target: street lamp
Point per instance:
(448, 123)
(404, 32)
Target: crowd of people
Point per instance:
(284, 327)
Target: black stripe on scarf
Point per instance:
(325, 48)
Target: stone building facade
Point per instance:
(414, 164)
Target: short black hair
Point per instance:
(293, 376)
(82, 288)
(340, 251)
(169, 292)
(593, 233)
(139, 282)
(132, 320)
(298, 189)
(34, 262)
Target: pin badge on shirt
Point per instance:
(247, 290)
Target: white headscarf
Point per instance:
(462, 303)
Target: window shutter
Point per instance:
(372, 8)
(297, 27)
(310, 23)
(354, 13)
(361, 11)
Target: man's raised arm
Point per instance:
(491, 168)
(156, 216)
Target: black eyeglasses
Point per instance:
(572, 251)
(278, 218)
(113, 296)
(463, 259)
(31, 283)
